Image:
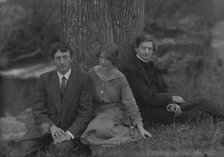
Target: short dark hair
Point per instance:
(62, 46)
(144, 38)
(111, 51)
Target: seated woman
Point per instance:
(115, 107)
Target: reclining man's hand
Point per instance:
(174, 108)
(178, 99)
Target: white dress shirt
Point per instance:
(60, 76)
(65, 75)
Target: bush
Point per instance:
(28, 27)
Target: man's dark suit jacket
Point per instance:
(73, 113)
(149, 88)
(152, 96)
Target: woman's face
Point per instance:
(104, 62)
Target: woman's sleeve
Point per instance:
(128, 100)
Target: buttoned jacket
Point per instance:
(73, 113)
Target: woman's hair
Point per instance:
(111, 52)
(144, 38)
(63, 47)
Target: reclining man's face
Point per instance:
(63, 61)
(145, 50)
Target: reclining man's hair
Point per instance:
(144, 38)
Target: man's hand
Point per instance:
(67, 137)
(174, 108)
(44, 128)
(178, 99)
(57, 133)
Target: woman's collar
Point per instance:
(110, 75)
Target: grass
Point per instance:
(202, 138)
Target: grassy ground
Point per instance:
(191, 139)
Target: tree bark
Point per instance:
(87, 24)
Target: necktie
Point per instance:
(63, 85)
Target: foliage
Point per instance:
(193, 76)
(191, 15)
(28, 27)
(186, 32)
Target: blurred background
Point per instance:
(189, 34)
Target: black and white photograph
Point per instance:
(106, 78)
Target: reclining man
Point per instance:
(151, 91)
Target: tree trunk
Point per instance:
(86, 24)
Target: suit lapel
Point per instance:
(142, 70)
(55, 90)
(69, 93)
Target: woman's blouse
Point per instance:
(114, 88)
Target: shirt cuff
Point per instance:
(68, 132)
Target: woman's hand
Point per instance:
(143, 132)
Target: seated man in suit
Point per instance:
(151, 91)
(62, 107)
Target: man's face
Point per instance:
(63, 61)
(145, 50)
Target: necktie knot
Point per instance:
(63, 78)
